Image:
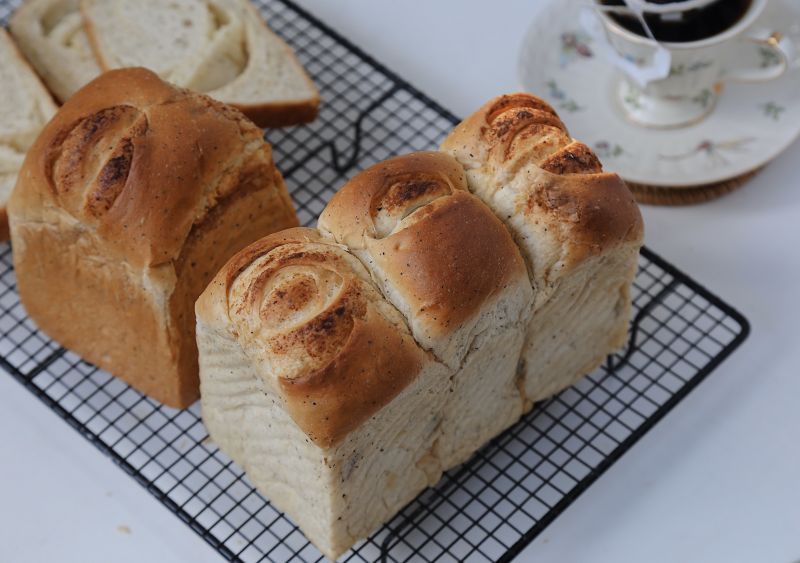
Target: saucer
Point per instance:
(750, 126)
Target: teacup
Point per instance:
(695, 72)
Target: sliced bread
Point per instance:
(25, 107)
(51, 35)
(219, 47)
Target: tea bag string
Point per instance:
(639, 71)
(668, 7)
(638, 8)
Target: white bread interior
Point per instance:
(222, 48)
(52, 36)
(25, 107)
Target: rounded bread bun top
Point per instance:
(305, 311)
(138, 162)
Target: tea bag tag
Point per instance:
(640, 71)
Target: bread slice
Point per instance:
(25, 107)
(220, 47)
(51, 35)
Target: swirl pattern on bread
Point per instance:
(305, 310)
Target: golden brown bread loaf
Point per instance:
(428, 239)
(127, 204)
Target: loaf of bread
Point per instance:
(219, 47)
(127, 204)
(25, 107)
(340, 403)
(346, 368)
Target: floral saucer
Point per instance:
(750, 126)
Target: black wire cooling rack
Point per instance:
(490, 508)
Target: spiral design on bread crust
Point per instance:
(88, 163)
(515, 130)
(300, 300)
(305, 311)
(549, 188)
(404, 194)
(521, 129)
(389, 196)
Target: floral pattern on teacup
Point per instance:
(633, 98)
(574, 45)
(683, 68)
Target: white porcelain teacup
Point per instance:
(695, 71)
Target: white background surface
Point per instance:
(717, 480)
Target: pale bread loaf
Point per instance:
(128, 202)
(219, 47)
(25, 107)
(287, 372)
(51, 35)
(276, 326)
(312, 380)
(307, 372)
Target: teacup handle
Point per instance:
(776, 48)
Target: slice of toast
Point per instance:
(25, 107)
(50, 33)
(220, 47)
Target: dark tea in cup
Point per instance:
(683, 26)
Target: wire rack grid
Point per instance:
(490, 508)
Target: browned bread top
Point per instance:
(139, 161)
(549, 188)
(374, 203)
(306, 309)
(439, 254)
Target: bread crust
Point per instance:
(442, 251)
(282, 113)
(305, 307)
(521, 135)
(141, 185)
